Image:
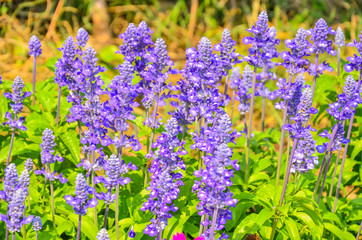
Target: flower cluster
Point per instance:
(17, 98)
(81, 201)
(242, 90)
(295, 59)
(37, 224)
(103, 235)
(48, 157)
(213, 187)
(321, 44)
(82, 37)
(165, 178)
(355, 62)
(34, 46)
(15, 192)
(115, 170)
(339, 39)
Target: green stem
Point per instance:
(58, 106)
(250, 127)
(52, 199)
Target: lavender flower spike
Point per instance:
(35, 50)
(37, 225)
(81, 201)
(29, 165)
(82, 37)
(103, 234)
(15, 220)
(339, 42)
(17, 98)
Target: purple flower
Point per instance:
(15, 220)
(24, 181)
(295, 59)
(339, 39)
(34, 46)
(103, 234)
(242, 92)
(47, 153)
(319, 37)
(37, 224)
(355, 62)
(82, 37)
(66, 67)
(165, 178)
(29, 165)
(131, 233)
(303, 159)
(17, 98)
(81, 201)
(228, 56)
(10, 182)
(212, 186)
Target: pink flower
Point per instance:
(181, 236)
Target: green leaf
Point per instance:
(338, 232)
(258, 177)
(47, 100)
(292, 229)
(71, 139)
(313, 224)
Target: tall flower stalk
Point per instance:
(341, 110)
(256, 58)
(300, 158)
(214, 181)
(37, 226)
(14, 121)
(35, 51)
(48, 158)
(295, 62)
(81, 201)
(355, 63)
(321, 44)
(165, 178)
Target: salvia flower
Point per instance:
(355, 62)
(131, 233)
(165, 178)
(339, 39)
(319, 37)
(81, 201)
(82, 37)
(103, 234)
(242, 92)
(17, 98)
(34, 46)
(29, 165)
(10, 182)
(262, 36)
(115, 171)
(212, 186)
(37, 224)
(295, 59)
(15, 220)
(24, 181)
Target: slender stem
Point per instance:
(214, 218)
(29, 207)
(13, 236)
(335, 168)
(263, 114)
(285, 184)
(79, 227)
(11, 146)
(34, 77)
(359, 231)
(24, 230)
(245, 124)
(201, 226)
(95, 210)
(325, 177)
(80, 129)
(331, 140)
(58, 107)
(339, 61)
(281, 144)
(105, 217)
(52, 199)
(316, 75)
(232, 106)
(117, 212)
(159, 235)
(36, 235)
(6, 228)
(345, 152)
(250, 127)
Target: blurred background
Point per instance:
(180, 23)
